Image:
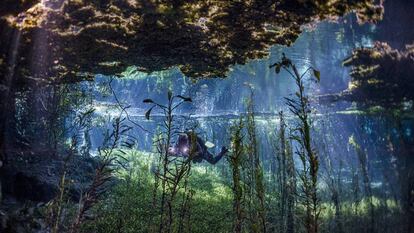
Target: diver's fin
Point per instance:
(209, 144)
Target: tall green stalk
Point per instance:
(287, 180)
(300, 107)
(363, 162)
(171, 172)
(257, 183)
(236, 161)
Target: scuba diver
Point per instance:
(189, 144)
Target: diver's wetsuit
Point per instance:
(183, 145)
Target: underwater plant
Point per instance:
(254, 172)
(236, 161)
(362, 159)
(300, 108)
(111, 157)
(286, 179)
(56, 206)
(171, 171)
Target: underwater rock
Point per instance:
(67, 41)
(32, 188)
(22, 218)
(379, 76)
(31, 180)
(35, 176)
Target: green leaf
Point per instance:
(169, 94)
(317, 74)
(186, 99)
(285, 61)
(277, 68)
(148, 113)
(273, 65)
(148, 101)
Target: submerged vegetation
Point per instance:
(171, 173)
(114, 117)
(302, 136)
(158, 192)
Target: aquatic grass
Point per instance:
(133, 195)
(212, 202)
